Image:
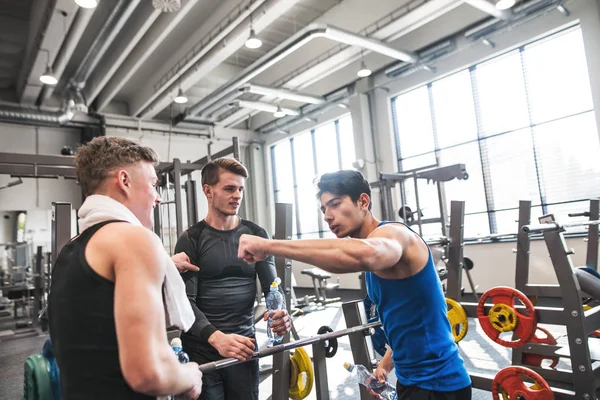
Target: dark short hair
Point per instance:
(344, 183)
(210, 172)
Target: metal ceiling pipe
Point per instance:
(110, 30)
(310, 111)
(286, 48)
(79, 25)
(286, 94)
(521, 15)
(490, 8)
(209, 111)
(32, 116)
(262, 106)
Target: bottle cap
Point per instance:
(176, 342)
(275, 284)
(348, 366)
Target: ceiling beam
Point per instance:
(155, 36)
(52, 28)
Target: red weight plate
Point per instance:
(510, 379)
(526, 324)
(536, 359)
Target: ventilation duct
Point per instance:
(32, 116)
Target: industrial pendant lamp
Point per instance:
(504, 4)
(180, 98)
(48, 78)
(87, 3)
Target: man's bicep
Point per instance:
(190, 279)
(139, 310)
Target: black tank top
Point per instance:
(82, 327)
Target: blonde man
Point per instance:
(106, 311)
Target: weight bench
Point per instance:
(320, 285)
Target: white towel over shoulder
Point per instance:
(98, 208)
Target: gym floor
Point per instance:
(481, 355)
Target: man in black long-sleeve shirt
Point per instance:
(222, 293)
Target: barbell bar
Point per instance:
(554, 226)
(220, 364)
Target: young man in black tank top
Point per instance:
(222, 293)
(106, 311)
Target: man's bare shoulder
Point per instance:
(393, 231)
(118, 236)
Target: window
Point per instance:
(523, 124)
(327, 148)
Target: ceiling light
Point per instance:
(87, 3)
(279, 113)
(505, 4)
(253, 41)
(48, 77)
(363, 72)
(180, 99)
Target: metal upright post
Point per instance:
(157, 222)
(281, 361)
(320, 368)
(523, 246)
(522, 265)
(455, 250)
(592, 247)
(574, 317)
(61, 227)
(418, 204)
(354, 313)
(38, 286)
(191, 201)
(235, 147)
(385, 192)
(443, 207)
(177, 189)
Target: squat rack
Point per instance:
(584, 381)
(430, 173)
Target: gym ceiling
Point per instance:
(140, 59)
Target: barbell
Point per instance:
(269, 351)
(555, 226)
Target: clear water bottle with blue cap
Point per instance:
(361, 374)
(182, 357)
(275, 301)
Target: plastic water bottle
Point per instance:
(366, 378)
(275, 301)
(182, 357)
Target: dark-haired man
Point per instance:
(222, 293)
(401, 280)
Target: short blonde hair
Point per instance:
(103, 154)
(210, 172)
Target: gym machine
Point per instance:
(433, 173)
(530, 343)
(170, 179)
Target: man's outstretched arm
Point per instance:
(381, 250)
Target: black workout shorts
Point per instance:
(417, 393)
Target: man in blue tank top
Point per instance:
(401, 280)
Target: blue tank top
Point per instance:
(413, 314)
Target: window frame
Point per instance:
(481, 136)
